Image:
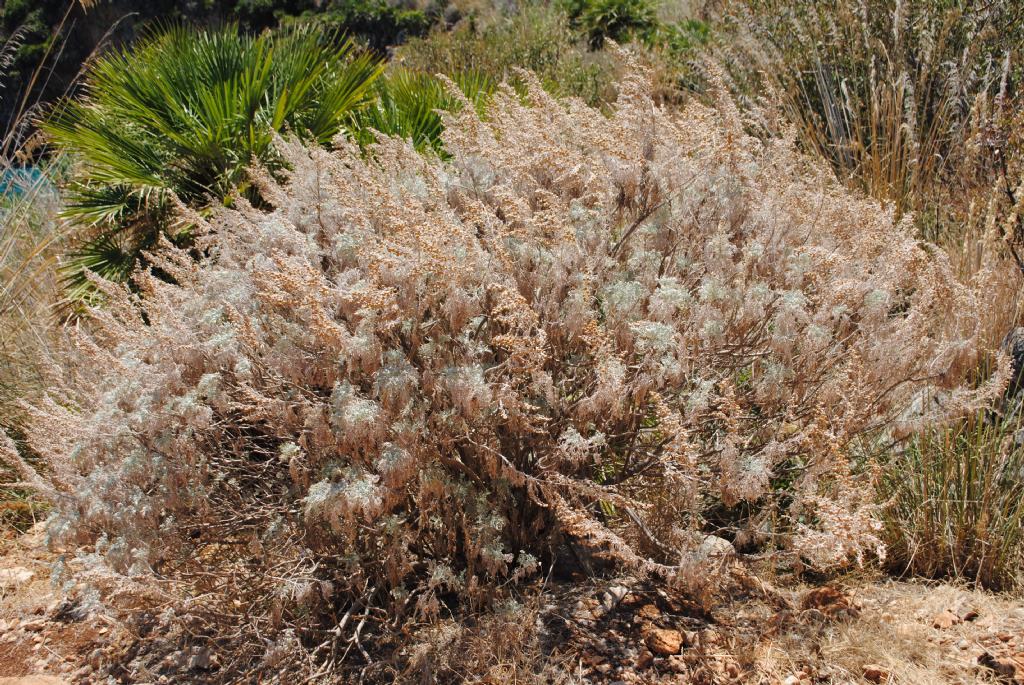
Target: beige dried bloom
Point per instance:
(417, 376)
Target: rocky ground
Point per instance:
(623, 631)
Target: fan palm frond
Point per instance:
(409, 103)
(185, 112)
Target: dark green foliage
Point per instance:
(60, 35)
(185, 114)
(619, 20)
(408, 105)
(537, 37)
(683, 39)
(25, 27)
(374, 22)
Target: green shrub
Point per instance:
(684, 38)
(537, 37)
(956, 503)
(619, 20)
(375, 22)
(185, 113)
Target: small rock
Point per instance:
(791, 680)
(15, 576)
(618, 592)
(678, 664)
(714, 546)
(963, 645)
(875, 673)
(828, 601)
(586, 609)
(710, 637)
(966, 613)
(663, 641)
(200, 661)
(610, 599)
(944, 620)
(649, 612)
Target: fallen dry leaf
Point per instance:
(663, 641)
(830, 601)
(875, 673)
(945, 619)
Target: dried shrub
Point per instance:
(393, 397)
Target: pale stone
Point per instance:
(15, 576)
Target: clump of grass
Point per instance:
(897, 96)
(539, 38)
(956, 503)
(31, 238)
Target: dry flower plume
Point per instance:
(403, 391)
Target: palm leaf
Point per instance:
(185, 112)
(409, 103)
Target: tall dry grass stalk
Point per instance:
(917, 104)
(32, 238)
(899, 96)
(914, 103)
